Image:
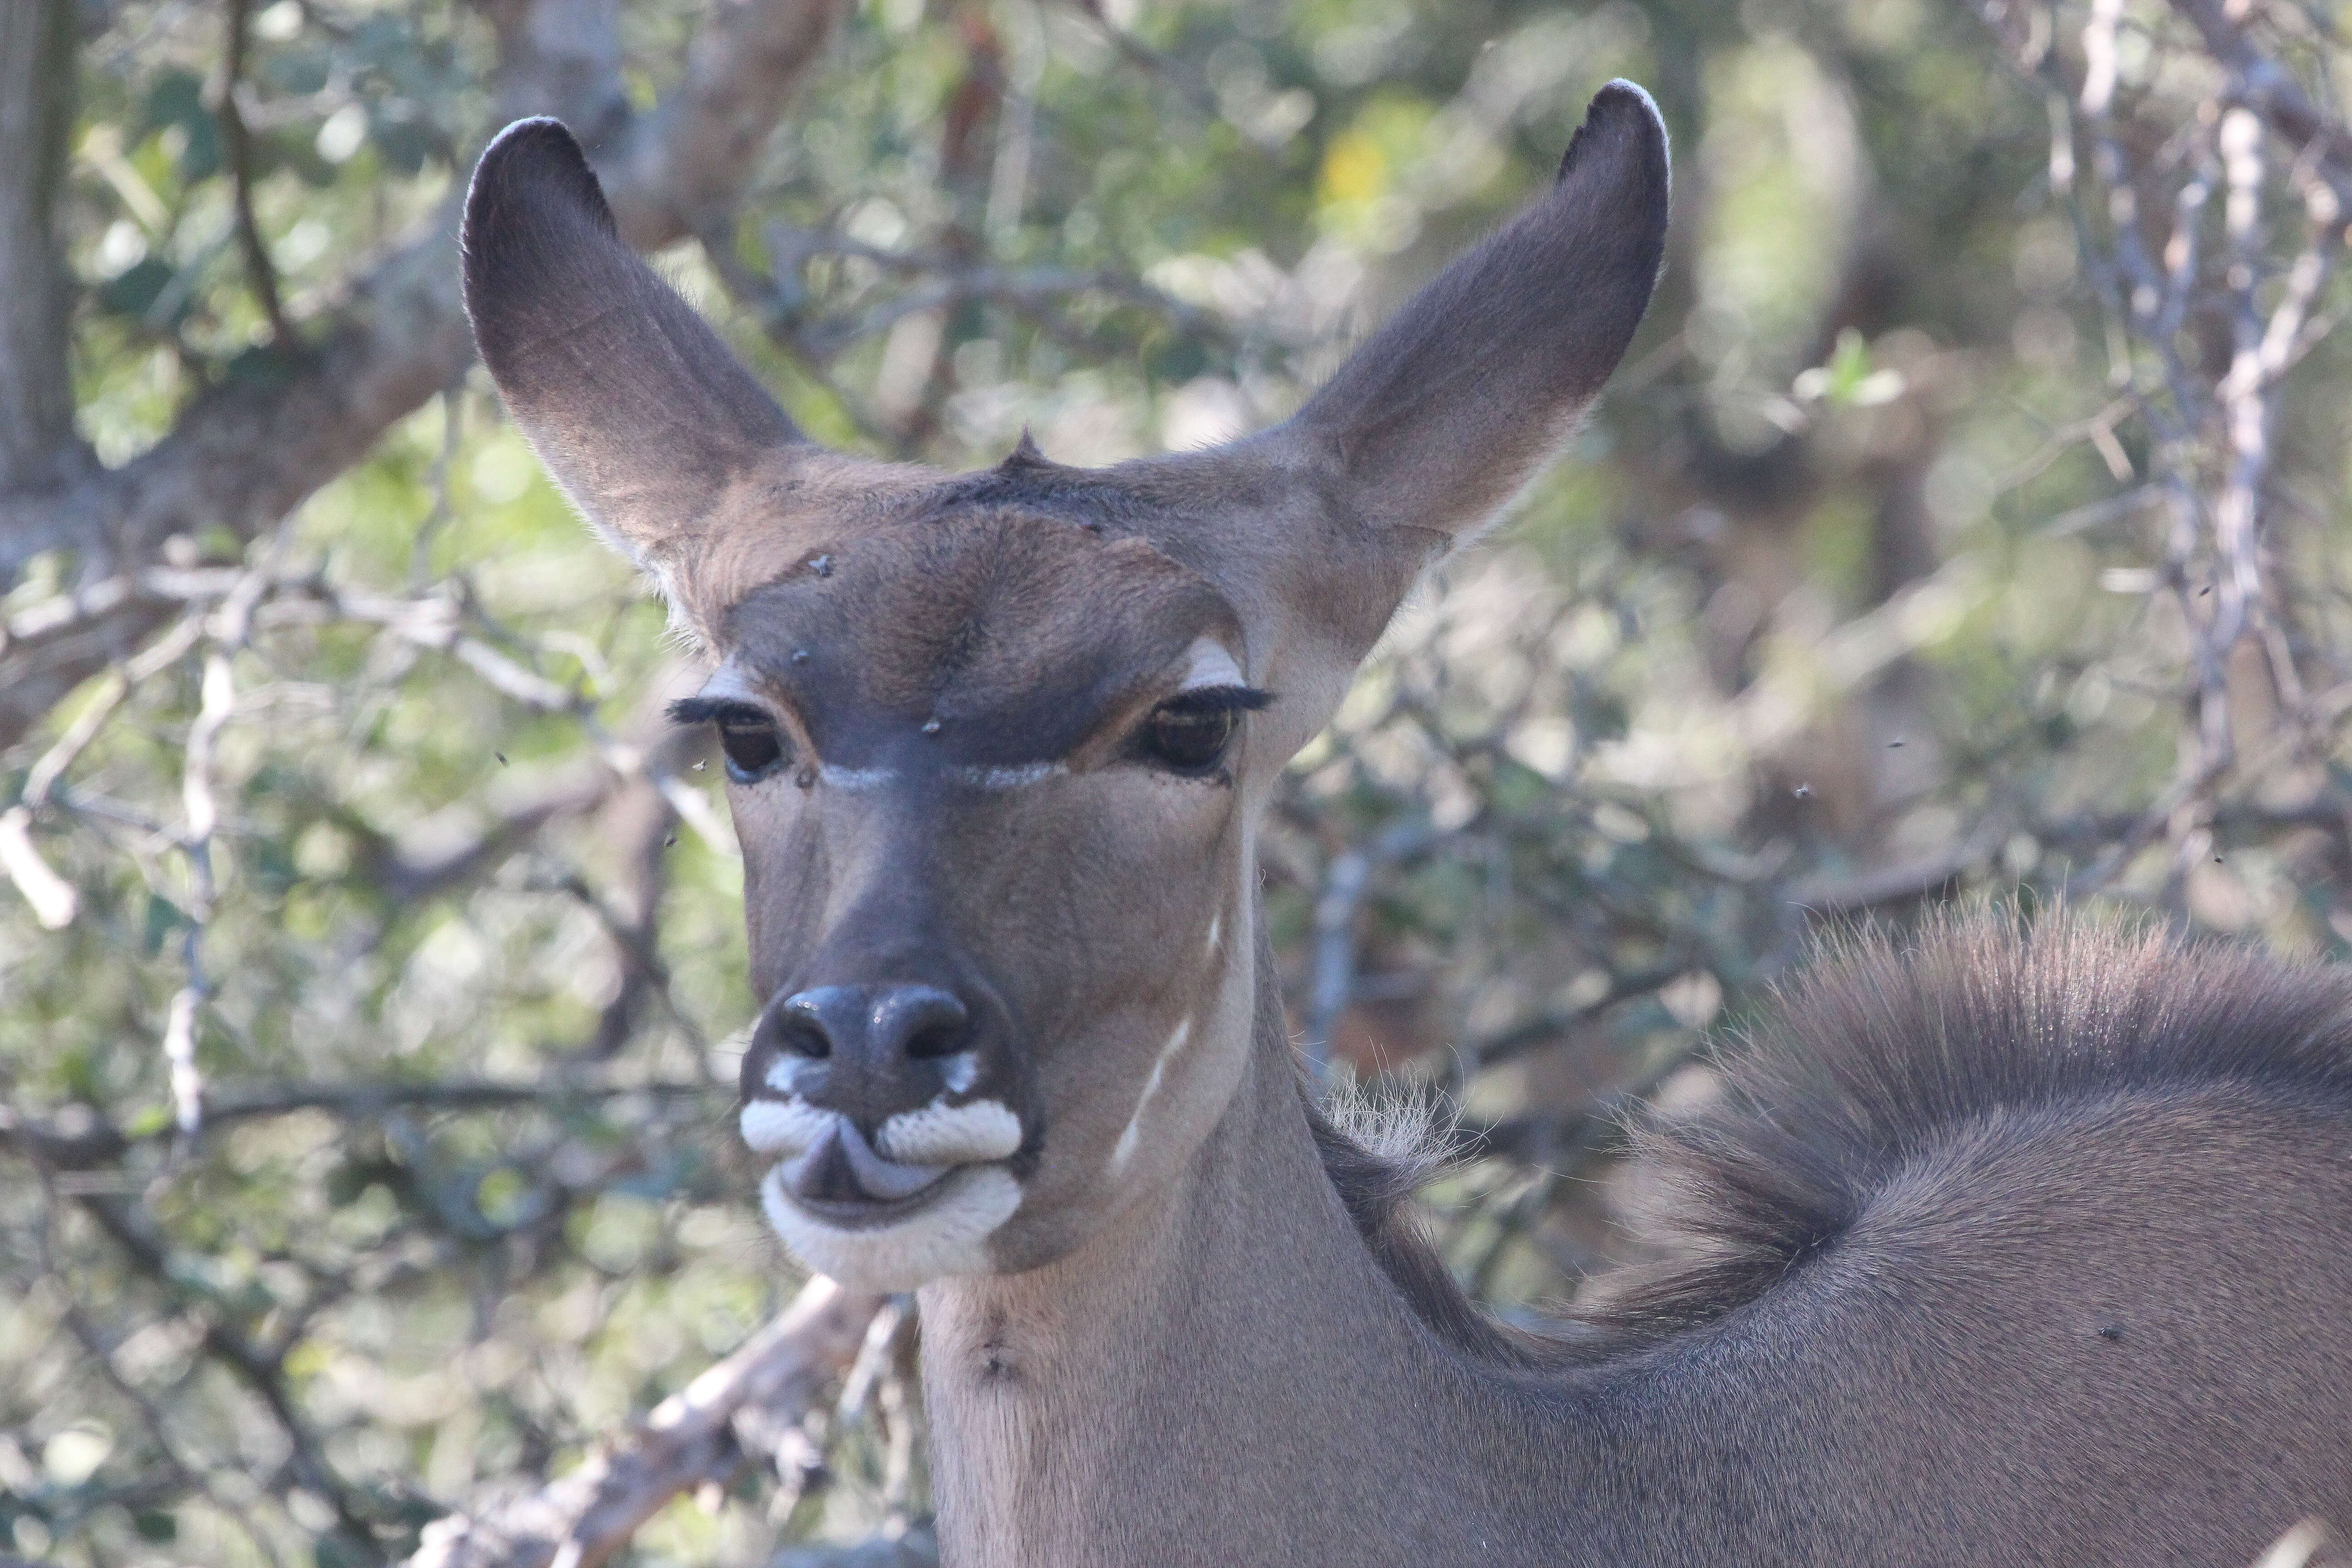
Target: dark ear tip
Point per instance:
(1621, 124)
(537, 147)
(527, 163)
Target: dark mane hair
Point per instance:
(1378, 1156)
(1886, 1046)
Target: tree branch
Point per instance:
(2267, 87)
(260, 271)
(251, 450)
(77, 1138)
(37, 81)
(705, 1433)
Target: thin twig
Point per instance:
(237, 146)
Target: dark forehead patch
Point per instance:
(1012, 628)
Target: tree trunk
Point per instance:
(37, 98)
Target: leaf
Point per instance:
(337, 1550)
(177, 99)
(163, 918)
(403, 143)
(297, 71)
(133, 291)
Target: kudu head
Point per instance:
(998, 744)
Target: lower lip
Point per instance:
(878, 1213)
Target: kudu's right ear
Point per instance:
(632, 402)
(1441, 416)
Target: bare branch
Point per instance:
(78, 1139)
(693, 159)
(2266, 87)
(1345, 883)
(262, 1372)
(246, 454)
(702, 1434)
(55, 902)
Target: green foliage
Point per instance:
(1853, 593)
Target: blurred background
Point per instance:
(1965, 520)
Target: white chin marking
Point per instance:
(783, 1126)
(941, 1135)
(948, 1236)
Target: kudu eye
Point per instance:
(754, 749)
(1189, 736)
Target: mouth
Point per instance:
(920, 1207)
(865, 1211)
(842, 1178)
(898, 1243)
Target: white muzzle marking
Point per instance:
(951, 1134)
(942, 1147)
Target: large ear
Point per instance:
(1441, 416)
(631, 401)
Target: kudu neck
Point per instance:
(1226, 1375)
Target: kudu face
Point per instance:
(998, 742)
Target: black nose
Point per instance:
(872, 1023)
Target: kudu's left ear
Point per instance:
(632, 402)
(1441, 416)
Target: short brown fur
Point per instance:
(2010, 1246)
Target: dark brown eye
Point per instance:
(1188, 737)
(753, 749)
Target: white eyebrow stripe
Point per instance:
(1213, 664)
(728, 683)
(1009, 778)
(978, 777)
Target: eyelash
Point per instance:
(1191, 733)
(753, 745)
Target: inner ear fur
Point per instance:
(631, 401)
(1445, 412)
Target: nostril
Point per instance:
(935, 1040)
(799, 1028)
(868, 1025)
(803, 1035)
(924, 1022)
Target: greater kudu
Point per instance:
(2012, 1249)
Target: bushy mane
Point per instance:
(1884, 1049)
(1886, 1045)
(1377, 1152)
